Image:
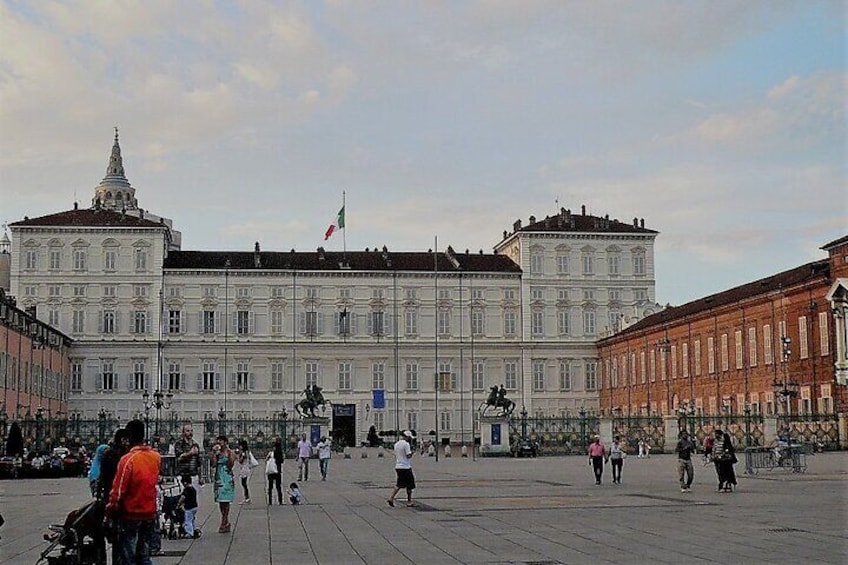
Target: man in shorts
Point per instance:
(403, 469)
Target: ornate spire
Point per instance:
(114, 191)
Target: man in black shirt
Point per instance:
(188, 455)
(684, 449)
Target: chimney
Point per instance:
(76, 205)
(635, 222)
(582, 209)
(320, 253)
(141, 213)
(517, 225)
(257, 262)
(547, 222)
(532, 219)
(642, 223)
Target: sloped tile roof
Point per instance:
(332, 261)
(89, 217)
(787, 279)
(570, 222)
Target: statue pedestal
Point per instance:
(494, 436)
(315, 428)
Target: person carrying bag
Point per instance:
(274, 474)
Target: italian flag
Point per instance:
(338, 224)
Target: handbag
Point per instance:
(252, 462)
(271, 467)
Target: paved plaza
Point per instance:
(494, 510)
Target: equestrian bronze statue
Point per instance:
(497, 402)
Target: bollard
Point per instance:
(364, 454)
(465, 451)
(447, 450)
(379, 454)
(431, 451)
(347, 453)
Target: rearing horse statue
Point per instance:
(313, 400)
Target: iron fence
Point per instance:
(556, 435)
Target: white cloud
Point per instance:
(782, 89)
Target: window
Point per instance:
(54, 291)
(444, 322)
(562, 264)
(311, 373)
(537, 323)
(737, 342)
(653, 365)
(588, 295)
(725, 361)
(697, 346)
(614, 295)
(378, 375)
(537, 293)
(711, 355)
(210, 292)
(139, 322)
(110, 259)
(175, 319)
(562, 295)
(243, 325)
(175, 375)
(509, 294)
(640, 295)
(537, 264)
(768, 359)
(445, 421)
(107, 374)
(76, 375)
(243, 292)
(591, 375)
(277, 374)
(344, 293)
(411, 375)
(31, 259)
(509, 322)
(412, 420)
(242, 376)
(477, 317)
(376, 323)
(444, 294)
(685, 361)
(140, 259)
(30, 290)
(511, 375)
(639, 263)
(79, 259)
(276, 322)
(78, 324)
(478, 375)
(377, 294)
(410, 294)
(824, 343)
(174, 292)
(141, 291)
(379, 420)
(344, 375)
(411, 320)
(588, 262)
(53, 317)
(55, 259)
(139, 375)
(752, 347)
(803, 345)
(538, 375)
(642, 366)
(209, 378)
(342, 323)
(311, 293)
(110, 291)
(663, 364)
(446, 376)
(309, 323)
(565, 375)
(477, 294)
(588, 322)
(278, 291)
(207, 319)
(614, 320)
(108, 322)
(614, 264)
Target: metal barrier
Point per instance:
(786, 458)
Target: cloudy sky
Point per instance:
(721, 123)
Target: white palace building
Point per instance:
(246, 331)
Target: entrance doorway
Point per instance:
(344, 425)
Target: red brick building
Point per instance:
(761, 347)
(34, 365)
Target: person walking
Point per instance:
(726, 462)
(246, 464)
(304, 452)
(616, 459)
(225, 488)
(274, 474)
(94, 471)
(597, 456)
(403, 469)
(132, 499)
(325, 451)
(685, 449)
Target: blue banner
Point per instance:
(378, 398)
(496, 434)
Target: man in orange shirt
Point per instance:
(132, 500)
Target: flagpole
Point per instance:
(344, 231)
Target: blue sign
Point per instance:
(344, 409)
(315, 434)
(496, 434)
(378, 398)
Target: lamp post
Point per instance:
(582, 413)
(39, 423)
(157, 401)
(101, 424)
(222, 415)
(523, 422)
(284, 416)
(747, 411)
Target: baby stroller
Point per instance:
(81, 540)
(173, 516)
